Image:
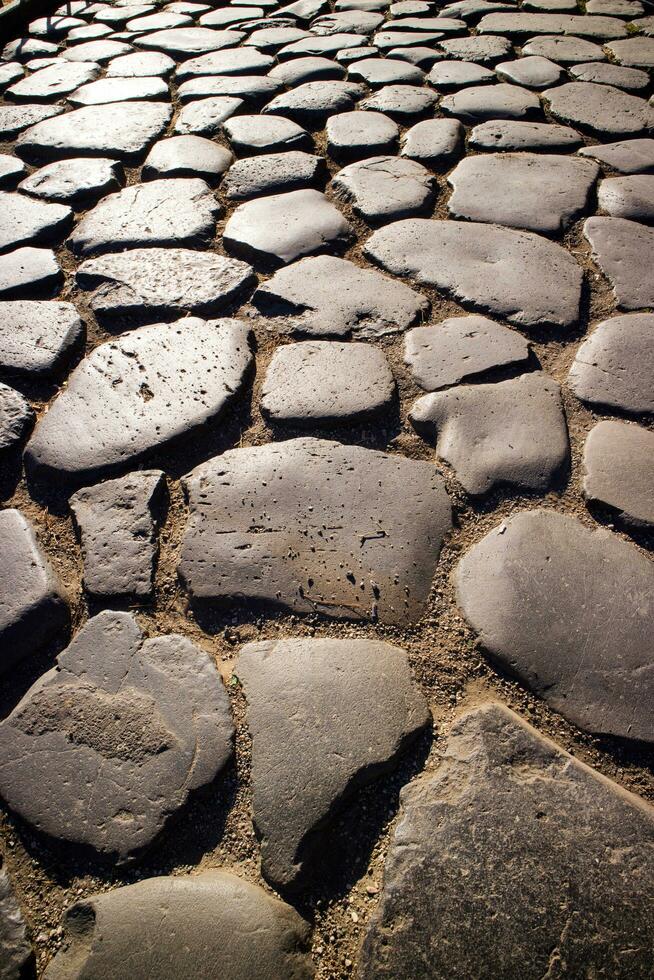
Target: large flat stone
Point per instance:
(435, 142)
(15, 119)
(624, 251)
(512, 135)
(403, 103)
(626, 156)
(28, 273)
(635, 52)
(206, 116)
(628, 197)
(186, 156)
(188, 42)
(78, 183)
(50, 84)
(28, 222)
(482, 102)
(531, 24)
(38, 338)
(311, 104)
(250, 135)
(619, 471)
(355, 135)
(564, 50)
(537, 590)
(273, 173)
(312, 525)
(108, 90)
(231, 61)
(602, 109)
(385, 188)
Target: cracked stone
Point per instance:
(384, 189)
(602, 109)
(28, 222)
(16, 952)
(628, 197)
(436, 142)
(627, 156)
(249, 135)
(501, 101)
(619, 471)
(624, 251)
(50, 84)
(78, 183)
(16, 416)
(38, 338)
(352, 135)
(206, 116)
(29, 272)
(511, 136)
(186, 156)
(273, 174)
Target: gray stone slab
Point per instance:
(25, 48)
(273, 173)
(521, 24)
(564, 50)
(486, 50)
(461, 348)
(509, 806)
(376, 72)
(29, 222)
(445, 25)
(118, 733)
(206, 116)
(359, 134)
(38, 338)
(16, 953)
(79, 183)
(99, 52)
(230, 61)
(254, 90)
(480, 103)
(16, 417)
(601, 109)
(108, 90)
(452, 75)
(301, 299)
(301, 70)
(624, 251)
(396, 40)
(627, 156)
(12, 171)
(615, 8)
(158, 22)
(435, 142)
(635, 52)
(15, 119)
(186, 156)
(10, 72)
(537, 590)
(230, 16)
(401, 102)
(326, 47)
(347, 22)
(511, 135)
(141, 64)
(532, 72)
(29, 272)
(619, 471)
(50, 84)
(631, 79)
(364, 712)
(188, 42)
(33, 608)
(54, 27)
(273, 38)
(311, 104)
(628, 197)
(615, 365)
(513, 274)
(383, 189)
(250, 135)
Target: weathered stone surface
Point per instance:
(508, 806)
(25, 221)
(386, 188)
(401, 102)
(117, 521)
(141, 64)
(511, 432)
(619, 471)
(274, 38)
(461, 348)
(283, 227)
(38, 337)
(123, 130)
(206, 116)
(564, 50)
(78, 182)
(32, 604)
(301, 70)
(624, 251)
(447, 75)
(52, 83)
(138, 393)
(146, 283)
(604, 74)
(186, 156)
(25, 48)
(635, 52)
(14, 119)
(10, 72)
(628, 197)
(231, 61)
(321, 380)
(627, 156)
(213, 922)
(364, 711)
(377, 72)
(273, 173)
(117, 733)
(97, 51)
(302, 300)
(311, 104)
(615, 365)
(352, 532)
(529, 25)
(16, 954)
(188, 42)
(602, 109)
(107, 90)
(254, 90)
(347, 22)
(508, 135)
(12, 171)
(486, 50)
(16, 416)
(516, 275)
(502, 101)
(29, 272)
(176, 211)
(326, 47)
(353, 135)
(437, 142)
(537, 192)
(521, 587)
(249, 135)
(532, 72)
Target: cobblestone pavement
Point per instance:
(326, 396)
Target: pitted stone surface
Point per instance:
(273, 173)
(602, 109)
(364, 711)
(117, 733)
(501, 101)
(628, 197)
(564, 50)
(355, 135)
(138, 393)
(479, 49)
(38, 338)
(511, 136)
(186, 156)
(214, 922)
(435, 142)
(16, 416)
(624, 251)
(615, 365)
(311, 525)
(140, 64)
(516, 275)
(302, 300)
(321, 380)
(249, 135)
(626, 156)
(630, 79)
(28, 272)
(15, 119)
(78, 183)
(509, 806)
(16, 953)
(619, 471)
(117, 521)
(32, 604)
(25, 221)
(383, 189)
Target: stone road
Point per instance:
(327, 481)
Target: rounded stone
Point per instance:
(249, 135)
(628, 197)
(38, 338)
(601, 109)
(532, 72)
(511, 136)
(502, 101)
(619, 471)
(273, 173)
(78, 182)
(352, 135)
(186, 156)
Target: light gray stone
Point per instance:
(38, 338)
(231, 61)
(532, 72)
(28, 222)
(628, 197)
(15, 119)
(273, 173)
(604, 74)
(16, 953)
(510, 136)
(78, 182)
(485, 50)
(186, 156)
(108, 90)
(436, 142)
(188, 42)
(479, 103)
(564, 50)
(401, 102)
(635, 52)
(16, 416)
(602, 109)
(311, 104)
(50, 84)
(624, 251)
(355, 135)
(249, 135)
(29, 272)
(521, 24)
(376, 72)
(141, 64)
(451, 75)
(12, 171)
(206, 116)
(383, 189)
(627, 156)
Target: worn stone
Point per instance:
(301, 70)
(436, 142)
(376, 72)
(347, 22)
(532, 72)
(353, 135)
(188, 42)
(186, 156)
(627, 156)
(326, 47)
(274, 38)
(16, 416)
(624, 251)
(31, 222)
(10, 72)
(230, 61)
(99, 52)
(249, 135)
(604, 74)
(78, 183)
(486, 50)
(401, 102)
(602, 109)
(16, 953)
(254, 90)
(635, 52)
(272, 174)
(29, 272)
(446, 75)
(206, 116)
(386, 188)
(397, 40)
(12, 171)
(312, 103)
(50, 84)
(510, 136)
(25, 48)
(15, 119)
(521, 24)
(38, 338)
(479, 103)
(564, 50)
(628, 197)
(108, 90)
(619, 471)
(141, 64)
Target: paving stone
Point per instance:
(436, 142)
(174, 211)
(186, 156)
(627, 156)
(635, 52)
(158, 22)
(604, 74)
(11, 171)
(118, 733)
(141, 64)
(537, 590)
(508, 433)
(252, 89)
(124, 130)
(361, 531)
(99, 52)
(461, 348)
(615, 8)
(16, 417)
(14, 119)
(347, 22)
(188, 42)
(117, 523)
(480, 49)
(502, 101)
(107, 90)
(446, 75)
(274, 38)
(529, 25)
(54, 27)
(535, 191)
(16, 952)
(383, 71)
(420, 56)
(624, 251)
(301, 70)
(383, 189)
(229, 16)
(510, 807)
(602, 109)
(386, 41)
(401, 102)
(615, 365)
(511, 135)
(619, 471)
(445, 25)
(138, 393)
(31, 222)
(353, 135)
(628, 197)
(326, 47)
(364, 712)
(32, 604)
(564, 50)
(212, 922)
(304, 10)
(513, 274)
(273, 174)
(90, 32)
(25, 48)
(10, 72)
(38, 338)
(78, 182)
(280, 228)
(231, 61)
(29, 272)
(302, 300)
(348, 55)
(206, 116)
(50, 84)
(532, 72)
(645, 25)
(470, 10)
(311, 104)
(250, 135)
(325, 380)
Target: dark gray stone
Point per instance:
(624, 251)
(604, 74)
(628, 197)
(28, 222)
(108, 90)
(14, 119)
(537, 590)
(78, 183)
(16, 953)
(602, 109)
(437, 142)
(376, 72)
(353, 135)
(231, 61)
(206, 116)
(508, 135)
(141, 64)
(273, 173)
(301, 70)
(502, 101)
(312, 103)
(446, 75)
(12, 171)
(188, 42)
(521, 24)
(510, 807)
(186, 156)
(118, 733)
(401, 102)
(364, 712)
(619, 471)
(485, 50)
(627, 156)
(32, 604)
(16, 416)
(355, 533)
(564, 50)
(383, 189)
(254, 90)
(38, 338)
(29, 272)
(532, 72)
(50, 84)
(249, 135)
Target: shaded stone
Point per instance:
(175, 211)
(38, 338)
(213, 922)
(437, 142)
(25, 48)
(315, 526)
(274, 38)
(628, 197)
(252, 89)
(445, 25)
(186, 156)
(401, 102)
(635, 52)
(77, 182)
(510, 807)
(32, 604)
(302, 300)
(602, 109)
(230, 61)
(29, 272)
(511, 432)
(604, 74)
(386, 41)
(364, 712)
(624, 251)
(377, 72)
(627, 156)
(502, 101)
(352, 135)
(14, 119)
(301, 70)
(325, 380)
(513, 274)
(312, 103)
(97, 51)
(118, 733)
(537, 590)
(117, 522)
(326, 47)
(461, 348)
(31, 222)
(615, 364)
(509, 135)
(528, 24)
(138, 393)
(383, 189)
(158, 22)
(188, 42)
(52, 83)
(16, 416)
(532, 72)
(273, 173)
(619, 471)
(10, 72)
(476, 48)
(249, 135)
(564, 50)
(54, 27)
(422, 57)
(206, 116)
(16, 953)
(108, 90)
(141, 64)
(448, 75)
(347, 22)
(11, 171)
(230, 16)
